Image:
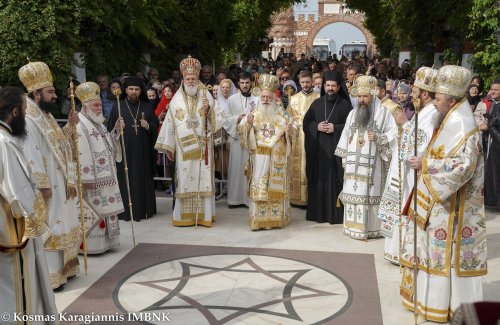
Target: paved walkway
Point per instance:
(231, 229)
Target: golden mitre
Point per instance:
(190, 65)
(35, 75)
(268, 82)
(88, 91)
(453, 80)
(364, 85)
(426, 79)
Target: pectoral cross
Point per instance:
(135, 126)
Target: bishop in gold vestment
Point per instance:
(186, 137)
(265, 134)
(48, 149)
(297, 107)
(451, 223)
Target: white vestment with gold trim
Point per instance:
(392, 203)
(238, 156)
(24, 276)
(451, 236)
(366, 165)
(183, 133)
(103, 201)
(267, 170)
(48, 150)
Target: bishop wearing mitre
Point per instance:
(187, 138)
(266, 136)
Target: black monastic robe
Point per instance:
(140, 159)
(492, 161)
(325, 175)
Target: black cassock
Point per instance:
(492, 161)
(324, 171)
(140, 158)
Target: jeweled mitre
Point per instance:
(87, 91)
(190, 65)
(453, 80)
(426, 79)
(35, 75)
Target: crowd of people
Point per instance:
(374, 147)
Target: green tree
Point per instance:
(114, 35)
(418, 25)
(483, 23)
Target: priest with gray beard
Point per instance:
(98, 149)
(265, 133)
(366, 155)
(187, 138)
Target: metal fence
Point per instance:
(163, 157)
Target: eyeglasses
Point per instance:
(284, 78)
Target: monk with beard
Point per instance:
(139, 133)
(266, 135)
(98, 151)
(364, 147)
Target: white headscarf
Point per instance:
(224, 102)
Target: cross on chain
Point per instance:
(135, 126)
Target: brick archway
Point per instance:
(354, 19)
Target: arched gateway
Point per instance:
(297, 35)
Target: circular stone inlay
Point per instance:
(235, 289)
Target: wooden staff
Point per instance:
(205, 126)
(205, 88)
(79, 177)
(416, 104)
(117, 93)
(400, 224)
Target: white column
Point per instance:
(437, 62)
(78, 69)
(466, 61)
(146, 67)
(403, 55)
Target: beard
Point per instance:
(245, 92)
(96, 117)
(266, 110)
(133, 98)
(191, 91)
(18, 126)
(436, 120)
(47, 106)
(363, 115)
(331, 96)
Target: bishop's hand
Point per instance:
(120, 124)
(205, 104)
(73, 118)
(250, 119)
(170, 156)
(372, 136)
(415, 163)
